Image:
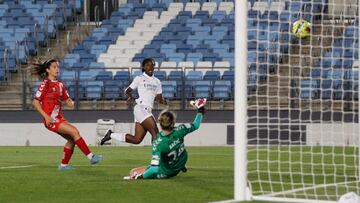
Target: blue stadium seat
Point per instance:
(212, 75)
(228, 75)
(93, 89)
(218, 15)
(68, 75)
(194, 57)
(177, 57)
(112, 90)
(175, 75)
(159, 7)
(201, 15)
(222, 90)
(87, 75)
(193, 23)
(169, 89)
(122, 75)
(194, 75)
(309, 89)
(202, 89)
(161, 75)
(96, 65)
(104, 75)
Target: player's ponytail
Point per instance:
(39, 68)
(167, 120)
(145, 61)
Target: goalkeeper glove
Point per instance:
(199, 104)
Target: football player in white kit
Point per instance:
(149, 89)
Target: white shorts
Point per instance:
(141, 113)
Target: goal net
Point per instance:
(302, 99)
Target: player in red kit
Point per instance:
(48, 100)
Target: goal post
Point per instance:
(297, 132)
(240, 117)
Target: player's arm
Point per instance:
(37, 105)
(160, 99)
(152, 171)
(69, 102)
(66, 98)
(195, 124)
(200, 105)
(128, 91)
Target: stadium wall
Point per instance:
(34, 134)
(20, 128)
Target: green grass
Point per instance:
(209, 178)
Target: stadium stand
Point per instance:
(181, 37)
(186, 38)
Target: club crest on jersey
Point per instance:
(38, 93)
(54, 89)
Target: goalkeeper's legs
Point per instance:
(138, 170)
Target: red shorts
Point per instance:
(55, 126)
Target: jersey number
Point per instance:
(176, 153)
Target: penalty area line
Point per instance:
(16, 167)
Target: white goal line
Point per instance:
(306, 188)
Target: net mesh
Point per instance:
(303, 132)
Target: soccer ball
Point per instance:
(301, 28)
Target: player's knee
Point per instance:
(71, 144)
(75, 134)
(137, 140)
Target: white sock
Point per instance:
(63, 165)
(118, 136)
(90, 155)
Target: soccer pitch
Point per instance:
(29, 174)
(209, 176)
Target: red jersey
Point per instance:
(51, 93)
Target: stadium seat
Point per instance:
(104, 75)
(93, 89)
(122, 75)
(161, 75)
(194, 75)
(212, 75)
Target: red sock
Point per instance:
(82, 145)
(67, 155)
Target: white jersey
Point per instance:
(148, 87)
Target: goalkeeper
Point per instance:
(169, 155)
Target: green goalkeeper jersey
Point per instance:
(169, 155)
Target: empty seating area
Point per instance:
(104, 85)
(335, 77)
(332, 77)
(192, 43)
(25, 25)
